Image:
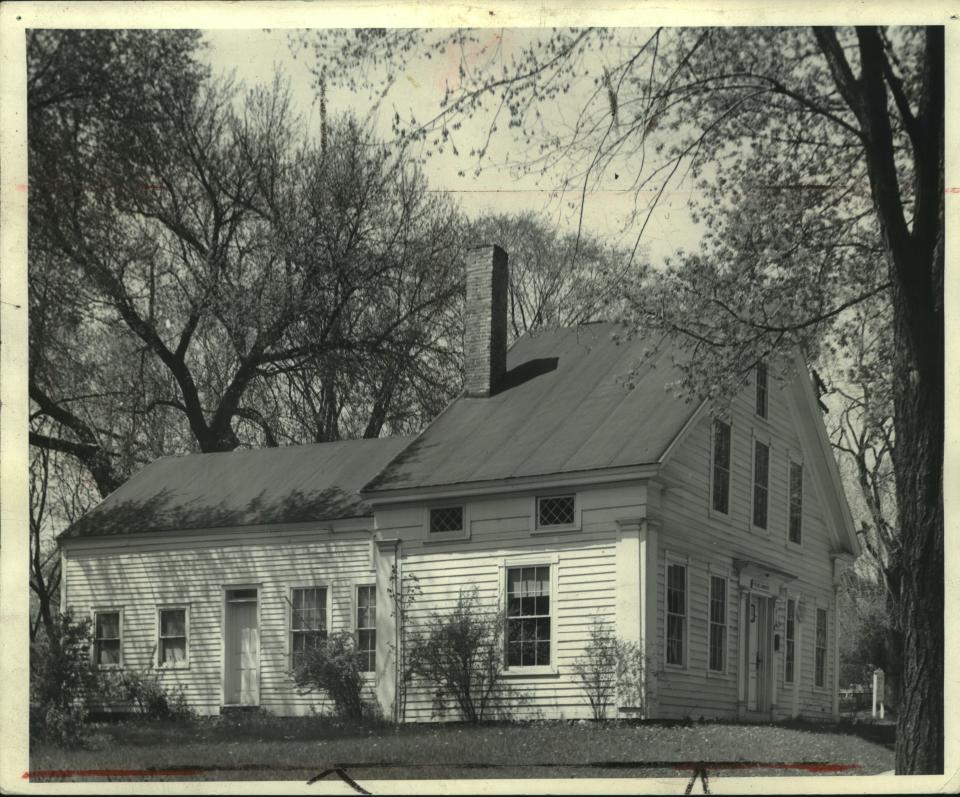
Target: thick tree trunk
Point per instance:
(918, 469)
(916, 274)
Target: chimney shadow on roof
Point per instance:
(526, 371)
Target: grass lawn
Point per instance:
(267, 748)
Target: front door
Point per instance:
(758, 645)
(753, 654)
(241, 686)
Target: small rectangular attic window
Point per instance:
(446, 518)
(555, 510)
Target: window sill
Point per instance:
(720, 517)
(555, 529)
(675, 667)
(524, 672)
(724, 675)
(438, 538)
(793, 546)
(166, 667)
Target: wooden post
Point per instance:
(878, 686)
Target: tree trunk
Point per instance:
(915, 266)
(918, 470)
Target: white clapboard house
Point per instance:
(715, 541)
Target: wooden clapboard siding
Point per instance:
(503, 529)
(151, 571)
(691, 530)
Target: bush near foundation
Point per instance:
(333, 666)
(612, 671)
(63, 682)
(147, 694)
(460, 653)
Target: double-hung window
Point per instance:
(308, 619)
(796, 503)
(820, 663)
(761, 482)
(720, 500)
(172, 642)
(718, 623)
(528, 616)
(367, 627)
(762, 390)
(791, 642)
(676, 614)
(107, 638)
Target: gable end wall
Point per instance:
(710, 543)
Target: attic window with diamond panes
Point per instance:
(446, 518)
(555, 510)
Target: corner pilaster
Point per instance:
(385, 557)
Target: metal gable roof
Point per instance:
(288, 484)
(564, 407)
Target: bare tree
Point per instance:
(200, 264)
(556, 278)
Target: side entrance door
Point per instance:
(241, 683)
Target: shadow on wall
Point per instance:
(166, 512)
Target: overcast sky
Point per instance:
(255, 56)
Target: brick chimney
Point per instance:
(485, 320)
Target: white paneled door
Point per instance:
(759, 653)
(242, 654)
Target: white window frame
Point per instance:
(118, 610)
(826, 646)
(713, 573)
(711, 445)
(541, 560)
(357, 586)
(179, 665)
(794, 459)
(535, 526)
(446, 536)
(786, 639)
(327, 611)
(765, 441)
(684, 562)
